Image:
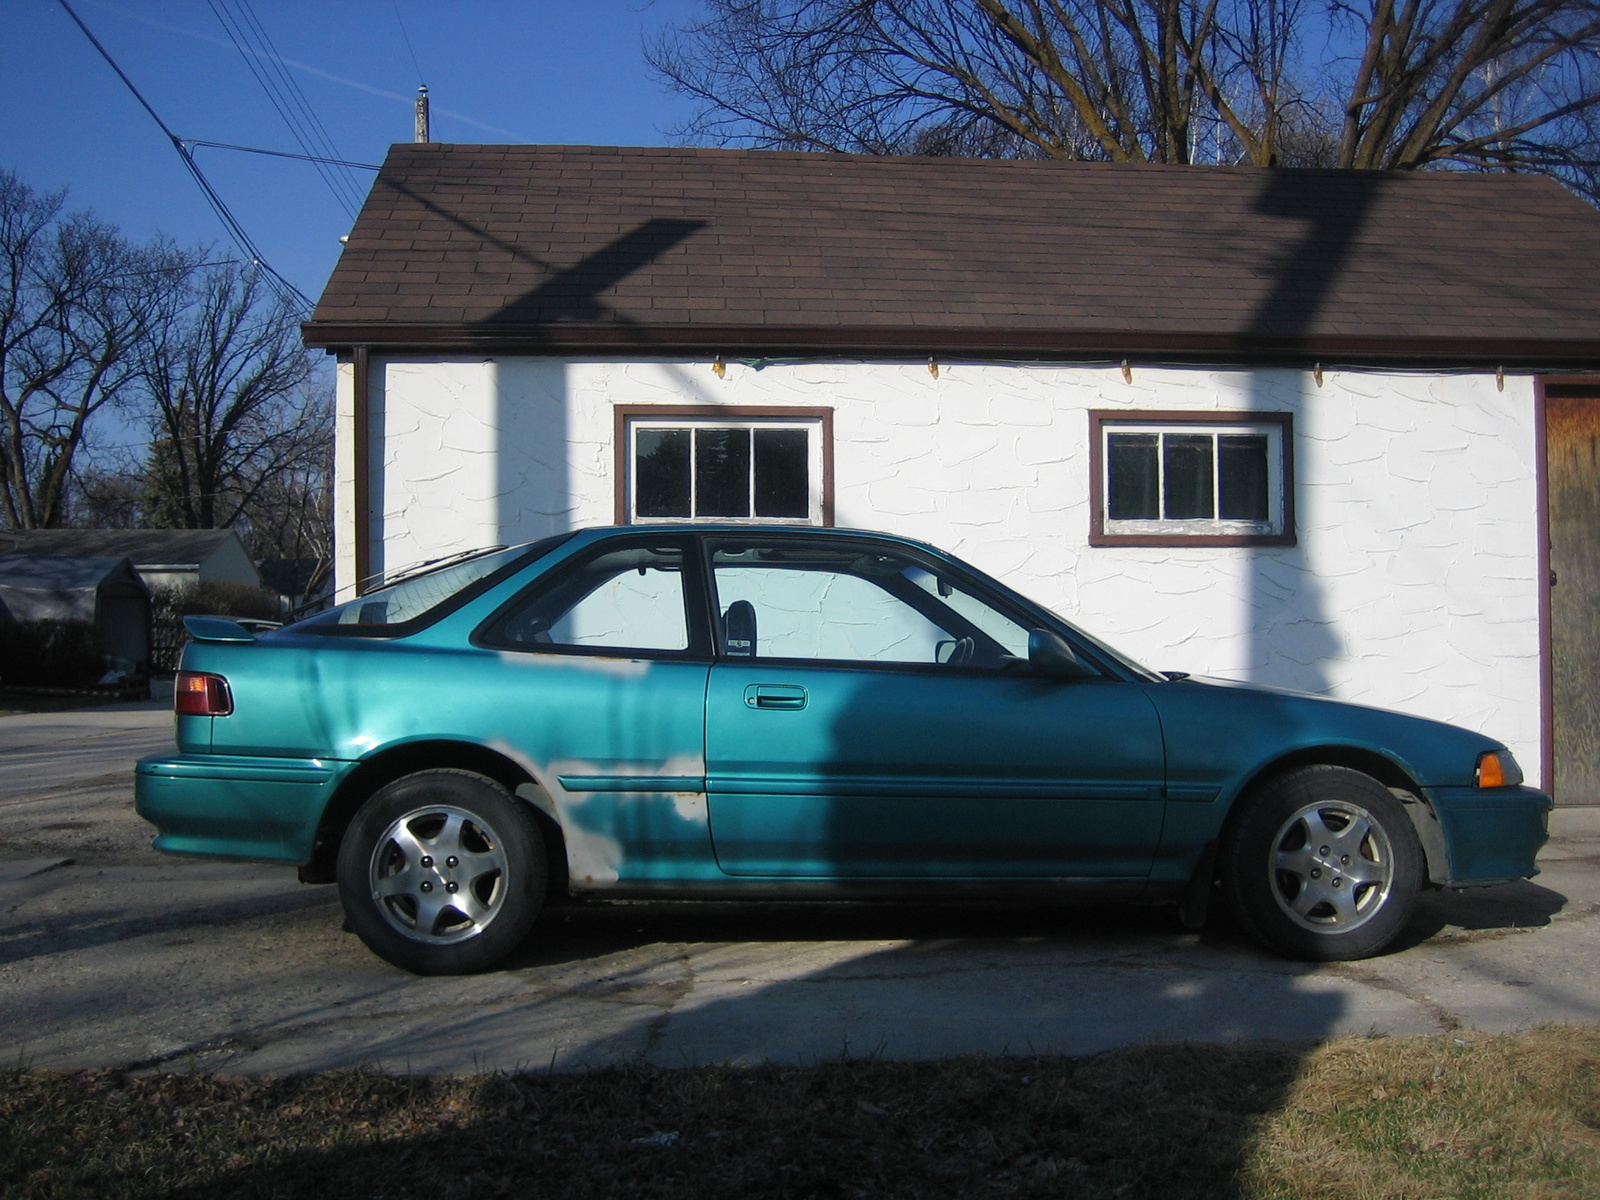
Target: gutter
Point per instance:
(1177, 348)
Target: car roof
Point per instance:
(745, 529)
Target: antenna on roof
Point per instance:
(422, 134)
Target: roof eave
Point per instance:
(766, 341)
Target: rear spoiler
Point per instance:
(217, 629)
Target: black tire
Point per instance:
(456, 911)
(1323, 865)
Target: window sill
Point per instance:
(781, 522)
(1099, 538)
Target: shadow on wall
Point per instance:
(376, 487)
(537, 476)
(1292, 634)
(534, 483)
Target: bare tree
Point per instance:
(231, 408)
(105, 496)
(291, 516)
(1485, 84)
(76, 299)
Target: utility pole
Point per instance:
(422, 134)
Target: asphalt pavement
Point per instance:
(114, 956)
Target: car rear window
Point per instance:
(415, 601)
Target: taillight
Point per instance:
(197, 694)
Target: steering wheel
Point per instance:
(961, 653)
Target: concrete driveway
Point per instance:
(112, 955)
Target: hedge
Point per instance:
(55, 654)
(168, 607)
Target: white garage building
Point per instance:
(1314, 429)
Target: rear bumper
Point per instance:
(1490, 835)
(236, 806)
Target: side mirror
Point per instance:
(1049, 654)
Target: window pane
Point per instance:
(1132, 476)
(828, 614)
(632, 610)
(661, 473)
(1242, 460)
(1011, 637)
(722, 472)
(628, 600)
(413, 597)
(783, 461)
(1187, 468)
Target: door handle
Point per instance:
(775, 695)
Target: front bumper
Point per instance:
(1489, 835)
(236, 806)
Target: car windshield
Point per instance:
(417, 595)
(1133, 665)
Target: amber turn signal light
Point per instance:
(1491, 771)
(197, 694)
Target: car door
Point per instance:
(599, 687)
(870, 717)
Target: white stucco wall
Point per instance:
(1413, 585)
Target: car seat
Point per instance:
(739, 630)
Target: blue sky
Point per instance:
(552, 71)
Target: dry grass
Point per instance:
(1403, 1117)
(1463, 1117)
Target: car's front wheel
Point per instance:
(442, 872)
(1324, 865)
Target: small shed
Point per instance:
(105, 592)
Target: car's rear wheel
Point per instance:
(442, 872)
(1324, 865)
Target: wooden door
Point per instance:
(1572, 477)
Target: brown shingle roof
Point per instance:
(562, 249)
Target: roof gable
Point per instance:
(568, 249)
(37, 587)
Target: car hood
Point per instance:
(1257, 722)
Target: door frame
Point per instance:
(1543, 385)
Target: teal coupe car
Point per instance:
(738, 712)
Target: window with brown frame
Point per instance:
(744, 465)
(1185, 478)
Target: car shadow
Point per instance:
(573, 933)
(1519, 905)
(579, 932)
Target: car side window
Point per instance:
(847, 603)
(824, 614)
(627, 599)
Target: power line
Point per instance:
(285, 290)
(318, 133)
(400, 21)
(255, 46)
(337, 162)
(323, 139)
